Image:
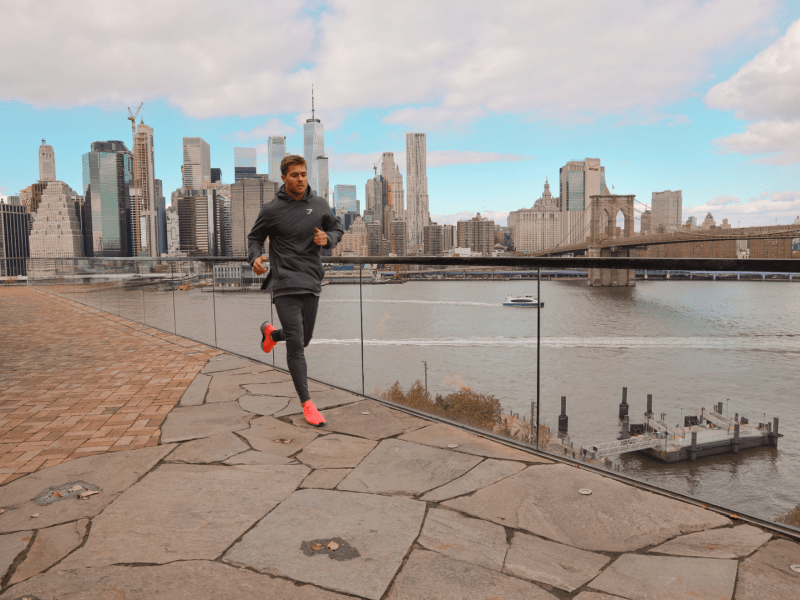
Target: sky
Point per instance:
(702, 97)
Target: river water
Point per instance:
(688, 343)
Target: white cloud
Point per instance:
(424, 61)
(271, 127)
(763, 209)
(500, 217)
(765, 90)
(357, 161)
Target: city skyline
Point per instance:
(698, 122)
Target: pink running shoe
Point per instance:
(312, 415)
(266, 338)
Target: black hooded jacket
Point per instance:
(289, 224)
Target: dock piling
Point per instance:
(736, 438)
(623, 407)
(649, 405)
(626, 428)
(693, 453)
(774, 433)
(563, 420)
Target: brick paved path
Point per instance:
(75, 381)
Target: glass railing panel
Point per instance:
(194, 300)
(157, 293)
(131, 277)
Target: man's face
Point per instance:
(296, 180)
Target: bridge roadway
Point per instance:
(679, 237)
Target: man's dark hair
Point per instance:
(291, 159)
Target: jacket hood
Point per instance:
(284, 195)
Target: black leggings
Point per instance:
(298, 314)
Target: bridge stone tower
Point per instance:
(602, 228)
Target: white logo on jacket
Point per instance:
(308, 210)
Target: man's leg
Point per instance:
(290, 312)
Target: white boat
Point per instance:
(527, 301)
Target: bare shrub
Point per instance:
(791, 518)
(517, 429)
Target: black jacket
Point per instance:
(289, 224)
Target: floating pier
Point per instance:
(707, 434)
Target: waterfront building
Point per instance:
(47, 163)
(198, 214)
(796, 241)
(56, 230)
(345, 197)
(538, 227)
(161, 208)
(107, 181)
(276, 150)
(417, 214)
(227, 230)
(647, 222)
(394, 180)
(196, 163)
(375, 239)
(448, 237)
(398, 238)
(14, 226)
(708, 222)
(476, 234)
(247, 196)
(173, 231)
(313, 146)
(322, 177)
(354, 241)
(144, 207)
(11, 200)
(432, 240)
(667, 211)
(244, 163)
(579, 181)
(216, 175)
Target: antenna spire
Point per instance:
(312, 101)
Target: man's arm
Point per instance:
(258, 234)
(332, 228)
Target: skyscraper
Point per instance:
(144, 217)
(197, 222)
(107, 179)
(476, 234)
(47, 163)
(667, 211)
(14, 225)
(313, 144)
(391, 172)
(276, 148)
(244, 163)
(345, 196)
(56, 231)
(216, 175)
(196, 163)
(538, 227)
(417, 215)
(579, 181)
(322, 177)
(247, 196)
(161, 207)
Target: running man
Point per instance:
(297, 223)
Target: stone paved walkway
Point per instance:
(242, 500)
(75, 381)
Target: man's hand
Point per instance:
(320, 237)
(258, 265)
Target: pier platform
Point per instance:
(142, 465)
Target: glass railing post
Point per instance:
(214, 300)
(361, 315)
(172, 285)
(141, 287)
(538, 349)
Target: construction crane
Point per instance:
(137, 242)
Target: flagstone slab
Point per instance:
(596, 596)
(284, 389)
(226, 362)
(733, 542)
(265, 431)
(640, 577)
(554, 564)
(50, 546)
(471, 540)
(486, 473)
(227, 387)
(263, 405)
(268, 380)
(193, 422)
(186, 580)
(431, 576)
(398, 467)
(325, 479)
(208, 450)
(184, 512)
(195, 394)
(379, 421)
(335, 452)
(616, 517)
(767, 573)
(254, 457)
(112, 473)
(323, 399)
(11, 544)
(379, 528)
(442, 436)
